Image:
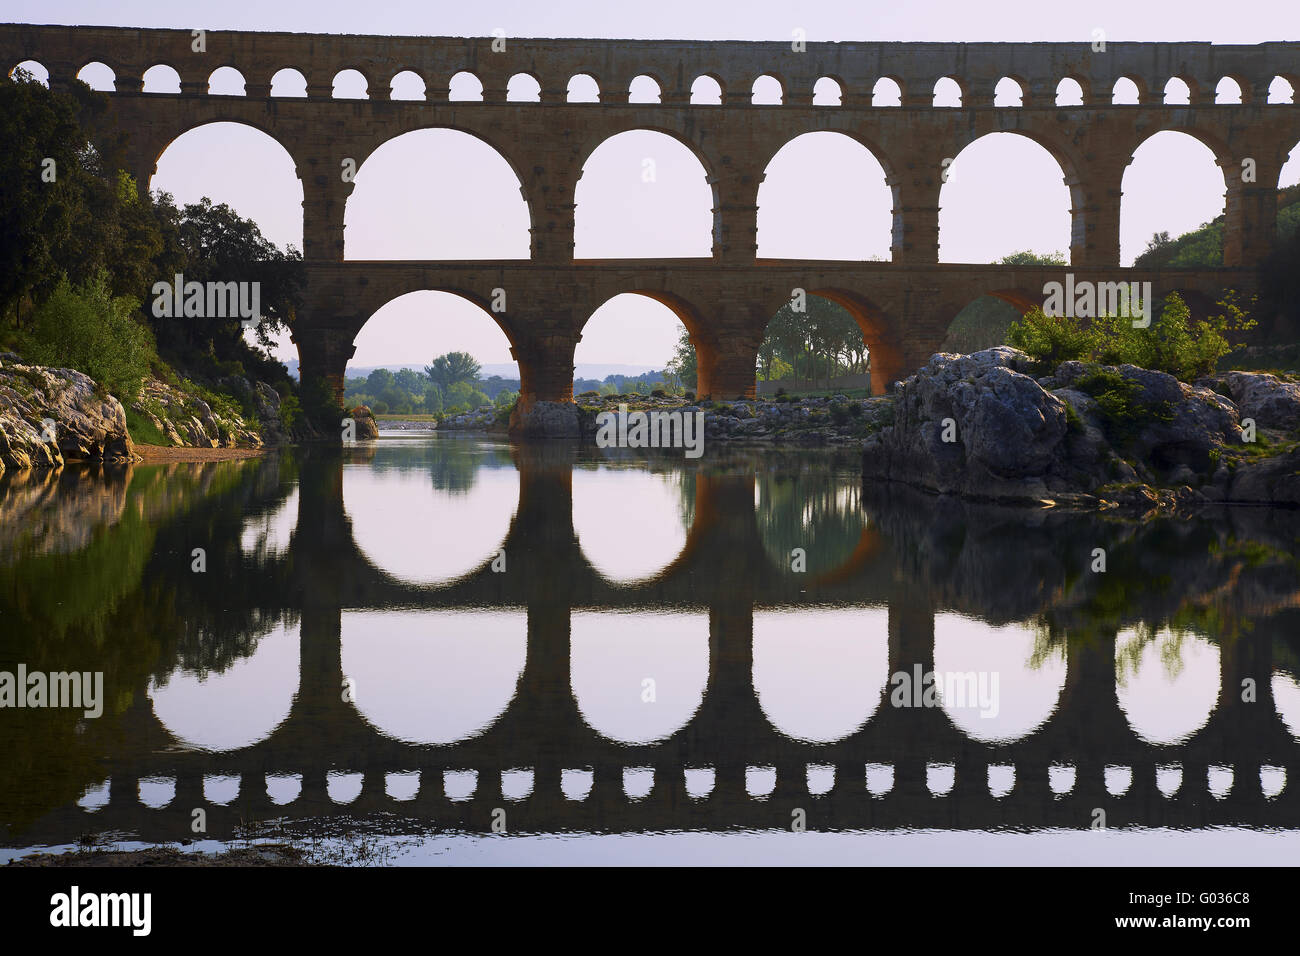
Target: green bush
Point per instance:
(143, 431)
(1121, 412)
(1050, 339)
(290, 412)
(1175, 343)
(88, 329)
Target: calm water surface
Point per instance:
(459, 651)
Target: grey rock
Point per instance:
(1271, 402)
(545, 420)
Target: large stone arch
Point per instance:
(604, 134)
(887, 358)
(144, 151)
(697, 326)
(369, 150)
(865, 144)
(1067, 159)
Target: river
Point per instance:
(434, 649)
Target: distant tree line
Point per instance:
(451, 384)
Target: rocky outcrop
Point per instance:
(188, 420)
(1271, 402)
(52, 415)
(982, 427)
(364, 420)
(833, 420)
(544, 420)
(978, 425)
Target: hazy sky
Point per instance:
(440, 194)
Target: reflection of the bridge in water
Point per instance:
(734, 748)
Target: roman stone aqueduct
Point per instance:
(903, 306)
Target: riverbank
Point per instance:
(811, 420)
(165, 454)
(54, 416)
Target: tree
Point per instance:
(214, 243)
(433, 400)
(453, 368)
(90, 330)
(380, 381)
(1028, 258)
(683, 363)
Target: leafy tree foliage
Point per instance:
(453, 368)
(89, 329)
(1175, 343)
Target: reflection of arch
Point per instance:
(818, 513)
(253, 695)
(605, 526)
(269, 533)
(1286, 701)
(819, 672)
(652, 176)
(612, 657)
(793, 169)
(997, 694)
(434, 677)
(1167, 687)
(428, 535)
(495, 205)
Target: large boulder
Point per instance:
(973, 425)
(1271, 402)
(52, 415)
(979, 426)
(545, 420)
(1182, 425)
(1274, 481)
(366, 426)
